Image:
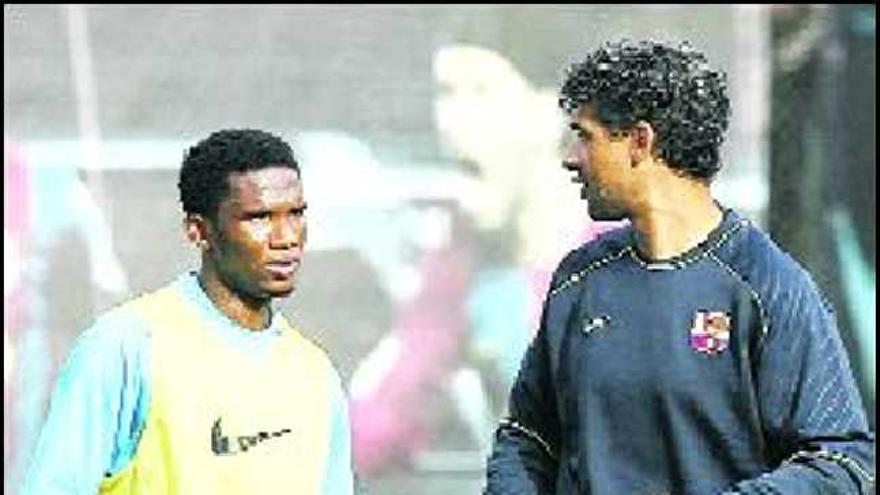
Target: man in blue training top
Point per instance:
(203, 386)
(685, 353)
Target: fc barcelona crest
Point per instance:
(710, 332)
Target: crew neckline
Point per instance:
(195, 292)
(730, 222)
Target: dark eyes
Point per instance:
(580, 135)
(264, 215)
(579, 131)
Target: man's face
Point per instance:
(602, 164)
(259, 234)
(477, 92)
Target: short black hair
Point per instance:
(672, 88)
(204, 176)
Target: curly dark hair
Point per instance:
(204, 176)
(672, 88)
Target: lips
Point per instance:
(283, 268)
(579, 179)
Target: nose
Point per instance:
(288, 232)
(571, 161)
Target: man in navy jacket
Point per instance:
(685, 353)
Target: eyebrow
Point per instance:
(262, 208)
(577, 127)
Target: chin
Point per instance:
(606, 215)
(281, 293)
(275, 290)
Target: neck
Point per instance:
(671, 223)
(250, 313)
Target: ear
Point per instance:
(643, 139)
(196, 229)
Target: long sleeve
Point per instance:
(524, 457)
(339, 479)
(96, 413)
(813, 417)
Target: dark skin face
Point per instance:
(254, 246)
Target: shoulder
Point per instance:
(126, 326)
(162, 299)
(316, 362)
(774, 275)
(120, 328)
(111, 355)
(313, 355)
(602, 250)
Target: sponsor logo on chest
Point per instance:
(221, 445)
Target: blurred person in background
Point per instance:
(685, 353)
(505, 131)
(482, 278)
(202, 386)
(51, 218)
